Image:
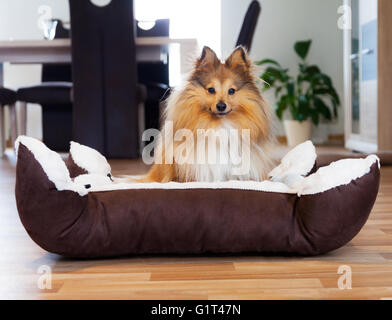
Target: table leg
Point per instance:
(23, 117)
(1, 74)
(2, 131)
(13, 123)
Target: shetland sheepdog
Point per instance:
(219, 96)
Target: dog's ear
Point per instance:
(238, 60)
(208, 58)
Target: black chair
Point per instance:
(7, 98)
(54, 94)
(154, 75)
(249, 25)
(106, 94)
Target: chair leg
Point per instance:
(23, 117)
(13, 123)
(2, 131)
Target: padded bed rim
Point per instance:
(90, 227)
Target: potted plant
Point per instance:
(309, 97)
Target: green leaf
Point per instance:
(335, 108)
(267, 61)
(304, 107)
(311, 70)
(322, 108)
(335, 96)
(268, 79)
(278, 90)
(323, 79)
(294, 112)
(302, 48)
(322, 91)
(280, 107)
(290, 88)
(315, 117)
(278, 74)
(300, 78)
(302, 67)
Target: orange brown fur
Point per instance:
(194, 107)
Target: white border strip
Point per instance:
(265, 186)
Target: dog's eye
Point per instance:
(231, 91)
(211, 90)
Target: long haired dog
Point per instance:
(221, 97)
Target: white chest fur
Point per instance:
(230, 155)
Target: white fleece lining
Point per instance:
(266, 186)
(337, 173)
(50, 161)
(298, 161)
(89, 159)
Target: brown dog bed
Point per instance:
(74, 209)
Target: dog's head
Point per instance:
(223, 88)
(221, 92)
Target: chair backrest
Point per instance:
(58, 72)
(249, 25)
(104, 77)
(160, 29)
(154, 72)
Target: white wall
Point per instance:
(19, 21)
(281, 23)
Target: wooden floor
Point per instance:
(247, 277)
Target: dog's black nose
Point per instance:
(221, 106)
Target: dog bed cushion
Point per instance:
(74, 208)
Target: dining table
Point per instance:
(59, 51)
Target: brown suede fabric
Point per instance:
(326, 221)
(73, 169)
(194, 221)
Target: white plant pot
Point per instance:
(297, 132)
(320, 133)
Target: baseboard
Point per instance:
(333, 139)
(281, 139)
